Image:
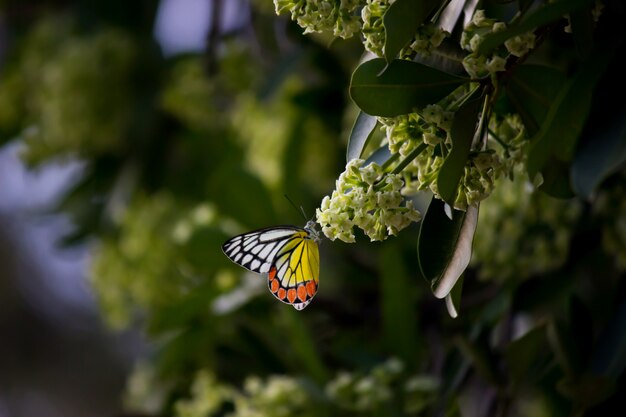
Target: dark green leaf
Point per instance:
(448, 57)
(602, 155)
(362, 130)
(462, 133)
(556, 179)
(397, 305)
(401, 21)
(531, 90)
(404, 87)
(559, 133)
(539, 17)
(528, 356)
(444, 246)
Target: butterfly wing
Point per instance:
(286, 254)
(257, 250)
(293, 278)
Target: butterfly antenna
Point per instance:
(296, 207)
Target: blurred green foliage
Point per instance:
(182, 152)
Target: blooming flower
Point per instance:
(368, 198)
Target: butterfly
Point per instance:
(289, 255)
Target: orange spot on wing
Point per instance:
(302, 292)
(291, 295)
(281, 293)
(272, 273)
(274, 285)
(311, 288)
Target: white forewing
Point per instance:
(256, 250)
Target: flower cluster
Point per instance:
(70, 109)
(284, 396)
(148, 263)
(385, 383)
(407, 132)
(343, 18)
(338, 16)
(139, 266)
(427, 38)
(478, 181)
(479, 66)
(373, 29)
(526, 232)
(368, 198)
(278, 395)
(207, 397)
(510, 134)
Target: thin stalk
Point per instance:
(457, 104)
(406, 161)
(410, 157)
(497, 139)
(393, 158)
(481, 124)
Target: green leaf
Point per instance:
(397, 305)
(462, 133)
(364, 126)
(404, 87)
(531, 90)
(444, 245)
(529, 355)
(559, 133)
(541, 16)
(448, 57)
(401, 21)
(556, 179)
(603, 153)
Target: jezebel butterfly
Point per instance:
(288, 255)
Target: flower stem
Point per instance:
(497, 139)
(410, 157)
(393, 158)
(398, 169)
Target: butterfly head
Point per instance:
(311, 228)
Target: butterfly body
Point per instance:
(289, 255)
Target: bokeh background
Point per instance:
(136, 137)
